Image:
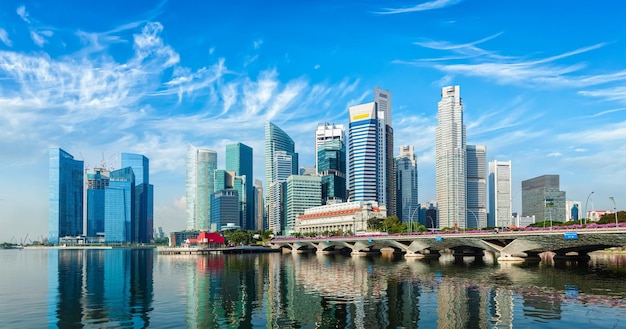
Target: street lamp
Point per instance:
(614, 208)
(411, 220)
(585, 221)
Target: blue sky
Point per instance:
(543, 84)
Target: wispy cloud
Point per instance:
(617, 94)
(4, 37)
(431, 5)
(21, 11)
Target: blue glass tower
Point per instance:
(65, 212)
(239, 159)
(119, 206)
(142, 228)
(331, 165)
(364, 153)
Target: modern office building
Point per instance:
(239, 159)
(225, 208)
(450, 160)
(119, 206)
(542, 198)
(259, 213)
(143, 225)
(303, 192)
(65, 198)
(574, 210)
(476, 183)
(406, 185)
(277, 195)
(328, 132)
(428, 215)
(370, 152)
(96, 185)
(277, 140)
(500, 197)
(199, 185)
(331, 166)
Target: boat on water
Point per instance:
(11, 247)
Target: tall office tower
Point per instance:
(144, 207)
(382, 98)
(500, 197)
(283, 166)
(325, 132)
(303, 192)
(277, 141)
(542, 198)
(428, 215)
(65, 199)
(331, 166)
(119, 206)
(259, 211)
(239, 159)
(225, 208)
(450, 160)
(96, 184)
(476, 183)
(406, 185)
(370, 161)
(199, 185)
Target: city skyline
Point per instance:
(541, 86)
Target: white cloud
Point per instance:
(432, 5)
(37, 38)
(21, 11)
(257, 44)
(4, 37)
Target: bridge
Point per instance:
(508, 245)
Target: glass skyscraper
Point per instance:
(142, 229)
(225, 208)
(476, 170)
(450, 160)
(119, 206)
(277, 140)
(239, 159)
(406, 185)
(199, 185)
(65, 211)
(331, 165)
(96, 185)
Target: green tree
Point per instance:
(392, 225)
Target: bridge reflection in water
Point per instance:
(507, 246)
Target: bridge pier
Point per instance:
(577, 256)
(413, 254)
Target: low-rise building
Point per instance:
(339, 217)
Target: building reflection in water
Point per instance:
(100, 288)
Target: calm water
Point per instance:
(138, 288)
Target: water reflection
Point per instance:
(100, 288)
(114, 288)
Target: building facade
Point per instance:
(450, 160)
(302, 192)
(328, 132)
(500, 197)
(348, 217)
(406, 185)
(239, 158)
(331, 166)
(65, 195)
(199, 185)
(225, 208)
(476, 184)
(142, 231)
(542, 198)
(119, 207)
(96, 185)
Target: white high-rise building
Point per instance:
(450, 160)
(199, 185)
(325, 132)
(406, 185)
(370, 152)
(500, 198)
(476, 170)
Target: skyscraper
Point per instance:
(142, 229)
(65, 211)
(370, 160)
(542, 198)
(450, 160)
(119, 207)
(200, 184)
(281, 161)
(259, 205)
(325, 132)
(96, 185)
(303, 192)
(500, 198)
(331, 166)
(476, 183)
(225, 208)
(239, 159)
(406, 185)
